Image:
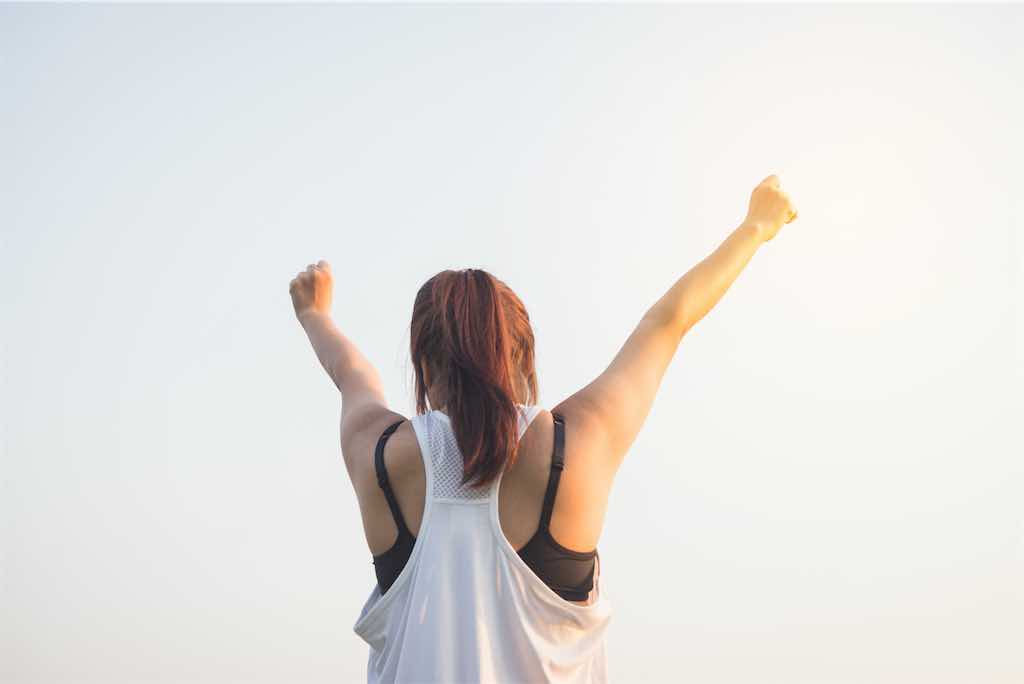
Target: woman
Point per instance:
(482, 515)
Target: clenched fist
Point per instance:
(770, 207)
(311, 290)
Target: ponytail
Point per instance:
(474, 334)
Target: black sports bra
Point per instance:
(569, 573)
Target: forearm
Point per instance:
(339, 356)
(697, 292)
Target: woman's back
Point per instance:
(579, 506)
(465, 605)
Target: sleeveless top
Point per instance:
(465, 606)
(568, 572)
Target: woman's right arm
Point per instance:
(697, 292)
(610, 411)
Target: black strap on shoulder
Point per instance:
(557, 464)
(382, 479)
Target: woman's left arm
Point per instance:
(352, 373)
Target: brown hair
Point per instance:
(472, 334)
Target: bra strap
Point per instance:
(557, 464)
(382, 479)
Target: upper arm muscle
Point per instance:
(361, 427)
(614, 406)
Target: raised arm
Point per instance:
(350, 371)
(609, 412)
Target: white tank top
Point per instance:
(466, 607)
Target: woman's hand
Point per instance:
(770, 208)
(311, 290)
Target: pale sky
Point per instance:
(829, 486)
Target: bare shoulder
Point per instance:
(586, 479)
(359, 440)
(577, 410)
(586, 440)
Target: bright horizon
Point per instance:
(829, 485)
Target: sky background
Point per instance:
(829, 487)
